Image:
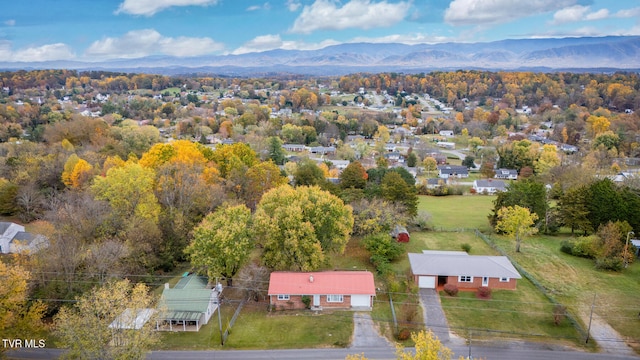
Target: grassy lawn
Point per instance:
(574, 282)
(524, 313)
(258, 329)
(453, 212)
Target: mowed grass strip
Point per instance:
(458, 211)
(258, 329)
(575, 281)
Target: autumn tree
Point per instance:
(547, 160)
(427, 347)
(19, 318)
(298, 228)
(516, 222)
(430, 164)
(573, 209)
(354, 176)
(394, 188)
(222, 242)
(99, 325)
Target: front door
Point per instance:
(316, 300)
(485, 281)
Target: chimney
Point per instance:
(310, 278)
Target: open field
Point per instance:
(576, 283)
(454, 212)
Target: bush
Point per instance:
(483, 293)
(306, 300)
(404, 334)
(451, 289)
(566, 247)
(559, 314)
(614, 264)
(466, 247)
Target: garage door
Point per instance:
(360, 300)
(427, 282)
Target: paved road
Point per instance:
(434, 318)
(489, 353)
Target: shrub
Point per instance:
(404, 334)
(466, 247)
(306, 300)
(559, 314)
(566, 247)
(615, 264)
(483, 293)
(451, 289)
(408, 312)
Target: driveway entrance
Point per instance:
(434, 318)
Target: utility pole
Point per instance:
(593, 304)
(469, 356)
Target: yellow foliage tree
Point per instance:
(18, 319)
(81, 174)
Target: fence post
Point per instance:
(393, 314)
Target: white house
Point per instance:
(488, 186)
(510, 174)
(446, 133)
(452, 171)
(8, 231)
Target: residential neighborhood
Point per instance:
(231, 207)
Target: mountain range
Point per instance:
(587, 54)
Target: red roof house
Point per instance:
(353, 290)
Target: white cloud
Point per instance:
(570, 14)
(598, 15)
(150, 7)
(363, 14)
(578, 13)
(140, 43)
(10, 22)
(58, 51)
(629, 13)
(475, 12)
(409, 39)
(271, 42)
(264, 6)
(293, 5)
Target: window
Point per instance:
(334, 298)
(465, 278)
(504, 279)
(283, 297)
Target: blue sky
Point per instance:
(95, 30)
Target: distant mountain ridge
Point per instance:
(548, 54)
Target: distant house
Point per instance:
(488, 186)
(510, 174)
(434, 183)
(322, 150)
(13, 239)
(400, 233)
(446, 145)
(350, 290)
(294, 147)
(394, 157)
(434, 269)
(27, 243)
(452, 171)
(188, 305)
(636, 244)
(446, 133)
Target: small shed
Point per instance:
(401, 234)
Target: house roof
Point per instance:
(507, 171)
(4, 226)
(189, 295)
(322, 283)
(458, 265)
(498, 184)
(453, 169)
(131, 319)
